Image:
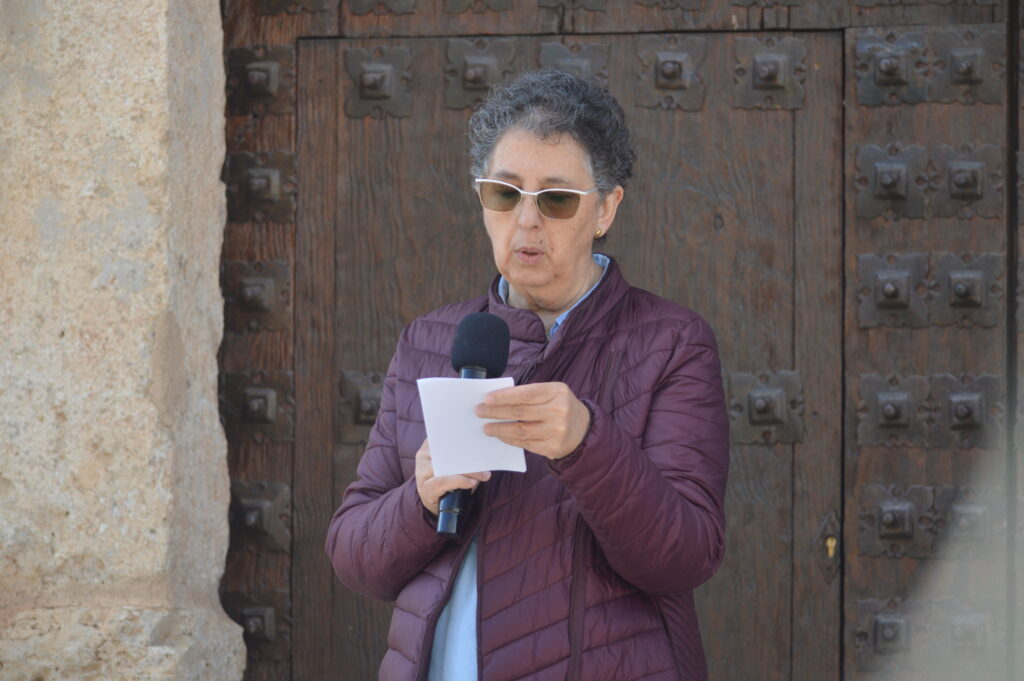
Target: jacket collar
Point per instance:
(526, 326)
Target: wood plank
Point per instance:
(817, 467)
(1015, 465)
(244, 25)
(315, 635)
(885, 14)
(434, 19)
(251, 568)
(718, 15)
(922, 352)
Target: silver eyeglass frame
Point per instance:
(522, 192)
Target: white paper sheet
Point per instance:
(456, 434)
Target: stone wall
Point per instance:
(113, 476)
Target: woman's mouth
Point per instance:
(528, 256)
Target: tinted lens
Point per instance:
(498, 197)
(558, 204)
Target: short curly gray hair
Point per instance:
(550, 102)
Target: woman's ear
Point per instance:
(607, 208)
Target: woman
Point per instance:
(583, 567)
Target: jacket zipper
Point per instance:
(577, 599)
(581, 543)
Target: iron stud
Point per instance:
(671, 69)
(890, 411)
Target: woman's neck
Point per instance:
(550, 307)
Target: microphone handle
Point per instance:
(452, 503)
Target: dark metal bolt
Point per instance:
(254, 624)
(365, 406)
(888, 518)
(258, 184)
(256, 78)
(964, 67)
(961, 290)
(963, 411)
(889, 178)
(889, 66)
(372, 81)
(474, 75)
(257, 405)
(252, 517)
(769, 71)
(252, 294)
(671, 69)
(890, 290)
(963, 524)
(890, 411)
(963, 179)
(888, 633)
(761, 405)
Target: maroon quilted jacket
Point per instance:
(587, 565)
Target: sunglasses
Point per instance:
(502, 197)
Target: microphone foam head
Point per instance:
(481, 340)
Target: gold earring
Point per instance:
(597, 235)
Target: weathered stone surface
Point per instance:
(113, 479)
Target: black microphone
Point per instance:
(480, 350)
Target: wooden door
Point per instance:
(849, 230)
(926, 487)
(735, 211)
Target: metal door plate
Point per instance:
(261, 186)
(890, 181)
(970, 66)
(381, 7)
(969, 411)
(669, 75)
(262, 510)
(261, 80)
(478, 6)
(892, 290)
(891, 69)
(766, 408)
(968, 181)
(257, 295)
(769, 73)
(380, 82)
(258, 406)
(266, 622)
(895, 522)
(584, 59)
(969, 289)
(893, 410)
(474, 66)
(359, 396)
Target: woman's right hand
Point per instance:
(431, 488)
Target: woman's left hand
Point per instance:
(545, 418)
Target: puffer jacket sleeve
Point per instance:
(381, 536)
(656, 503)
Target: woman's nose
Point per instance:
(527, 213)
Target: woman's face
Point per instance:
(544, 259)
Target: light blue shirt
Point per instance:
(453, 655)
